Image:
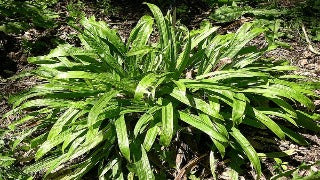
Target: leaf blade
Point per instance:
(122, 136)
(167, 124)
(248, 149)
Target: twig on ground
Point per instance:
(189, 166)
(308, 41)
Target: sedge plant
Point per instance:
(103, 106)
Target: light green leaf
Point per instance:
(40, 165)
(65, 157)
(248, 149)
(151, 137)
(274, 127)
(108, 135)
(141, 164)
(213, 165)
(26, 118)
(276, 112)
(144, 119)
(183, 58)
(219, 128)
(88, 164)
(238, 107)
(199, 124)
(147, 85)
(140, 51)
(214, 103)
(20, 138)
(243, 35)
(98, 108)
(167, 124)
(291, 93)
(161, 24)
(70, 138)
(139, 36)
(195, 103)
(284, 105)
(6, 161)
(196, 40)
(50, 143)
(122, 135)
(108, 167)
(64, 118)
(103, 31)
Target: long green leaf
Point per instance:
(248, 149)
(167, 124)
(108, 167)
(108, 135)
(57, 127)
(196, 40)
(50, 143)
(274, 127)
(161, 24)
(122, 135)
(243, 35)
(141, 163)
(183, 58)
(139, 36)
(294, 136)
(238, 107)
(147, 85)
(144, 119)
(98, 108)
(101, 29)
(151, 137)
(199, 124)
(195, 103)
(219, 128)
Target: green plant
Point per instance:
(75, 12)
(19, 16)
(106, 103)
(106, 6)
(231, 13)
(294, 173)
(273, 33)
(280, 166)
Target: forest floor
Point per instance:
(14, 61)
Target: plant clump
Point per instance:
(105, 106)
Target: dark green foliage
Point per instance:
(231, 13)
(294, 173)
(18, 16)
(301, 12)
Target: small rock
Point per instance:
(302, 148)
(292, 146)
(307, 54)
(317, 67)
(314, 169)
(310, 66)
(303, 62)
